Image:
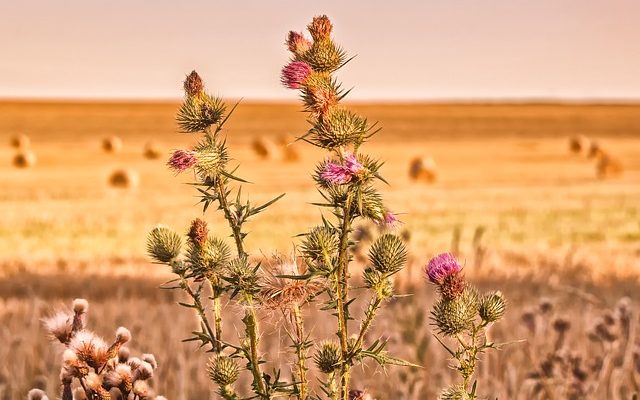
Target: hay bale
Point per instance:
(21, 141)
(124, 179)
(423, 169)
(112, 144)
(25, 159)
(289, 152)
(578, 144)
(151, 151)
(594, 150)
(263, 147)
(607, 166)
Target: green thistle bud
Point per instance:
(198, 113)
(340, 127)
(324, 56)
(242, 277)
(209, 258)
(223, 370)
(455, 393)
(320, 243)
(328, 357)
(492, 307)
(381, 285)
(453, 316)
(388, 254)
(320, 92)
(163, 244)
(212, 159)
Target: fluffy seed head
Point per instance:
(37, 394)
(89, 348)
(223, 370)
(123, 335)
(297, 43)
(320, 27)
(182, 160)
(441, 266)
(454, 316)
(492, 307)
(80, 306)
(151, 359)
(141, 389)
(282, 294)
(59, 326)
(193, 84)
(123, 354)
(328, 357)
(163, 244)
(69, 357)
(295, 74)
(143, 372)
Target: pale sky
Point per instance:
(429, 49)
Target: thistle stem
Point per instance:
(300, 352)
(374, 306)
(201, 312)
(217, 320)
(251, 326)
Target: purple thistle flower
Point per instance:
(352, 164)
(442, 266)
(295, 73)
(336, 174)
(182, 160)
(390, 219)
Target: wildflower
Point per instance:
(198, 231)
(320, 27)
(193, 85)
(163, 245)
(339, 174)
(453, 316)
(60, 326)
(389, 219)
(89, 348)
(441, 266)
(182, 160)
(223, 370)
(295, 74)
(297, 43)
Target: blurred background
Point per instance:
(510, 131)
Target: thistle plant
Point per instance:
(208, 271)
(99, 370)
(462, 316)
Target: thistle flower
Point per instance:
(223, 370)
(283, 293)
(492, 307)
(59, 326)
(297, 43)
(163, 245)
(388, 254)
(337, 128)
(441, 266)
(389, 219)
(320, 27)
(198, 231)
(328, 357)
(295, 74)
(335, 174)
(182, 160)
(453, 316)
(452, 286)
(193, 85)
(90, 348)
(352, 164)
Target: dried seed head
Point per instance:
(198, 231)
(295, 74)
(297, 44)
(143, 372)
(59, 326)
(456, 315)
(123, 335)
(93, 381)
(182, 160)
(80, 306)
(193, 84)
(134, 362)
(545, 305)
(69, 357)
(441, 266)
(123, 354)
(90, 348)
(528, 318)
(223, 370)
(452, 286)
(328, 357)
(151, 359)
(492, 307)
(141, 389)
(163, 244)
(37, 394)
(320, 27)
(279, 293)
(388, 254)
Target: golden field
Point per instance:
(552, 232)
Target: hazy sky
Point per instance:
(429, 49)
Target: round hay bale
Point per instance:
(124, 179)
(423, 169)
(578, 144)
(263, 147)
(112, 144)
(290, 153)
(25, 159)
(21, 141)
(151, 151)
(607, 166)
(595, 150)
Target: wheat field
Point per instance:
(524, 213)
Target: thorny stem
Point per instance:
(300, 352)
(217, 320)
(333, 389)
(251, 323)
(342, 296)
(235, 228)
(201, 312)
(372, 309)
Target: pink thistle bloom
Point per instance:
(295, 73)
(336, 174)
(352, 164)
(390, 219)
(442, 266)
(182, 160)
(297, 43)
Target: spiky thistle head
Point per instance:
(163, 244)
(320, 244)
(492, 307)
(198, 232)
(182, 160)
(320, 93)
(380, 283)
(297, 44)
(223, 370)
(452, 285)
(193, 84)
(324, 56)
(441, 266)
(320, 27)
(208, 260)
(211, 160)
(279, 292)
(339, 127)
(242, 277)
(455, 393)
(295, 74)
(328, 357)
(90, 348)
(388, 254)
(198, 113)
(453, 316)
